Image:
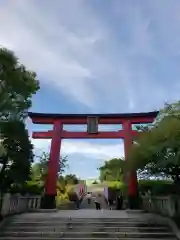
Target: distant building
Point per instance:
(90, 181)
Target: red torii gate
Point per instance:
(57, 134)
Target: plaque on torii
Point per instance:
(92, 125)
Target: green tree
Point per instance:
(71, 179)
(17, 85)
(157, 151)
(112, 170)
(16, 154)
(39, 170)
(61, 183)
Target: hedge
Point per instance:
(157, 187)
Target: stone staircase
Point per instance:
(41, 228)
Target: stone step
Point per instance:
(162, 235)
(108, 220)
(115, 224)
(79, 238)
(45, 227)
(46, 219)
(85, 220)
(106, 223)
(82, 221)
(85, 229)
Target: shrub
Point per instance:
(157, 187)
(29, 187)
(117, 186)
(61, 199)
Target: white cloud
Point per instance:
(84, 148)
(125, 59)
(82, 54)
(45, 43)
(84, 157)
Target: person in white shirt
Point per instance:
(89, 196)
(97, 202)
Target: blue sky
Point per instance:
(95, 57)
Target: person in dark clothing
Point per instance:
(97, 203)
(119, 202)
(77, 202)
(98, 206)
(110, 204)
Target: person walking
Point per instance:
(97, 203)
(119, 201)
(89, 196)
(77, 202)
(110, 203)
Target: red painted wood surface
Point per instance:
(53, 164)
(80, 135)
(132, 176)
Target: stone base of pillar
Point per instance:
(48, 202)
(134, 202)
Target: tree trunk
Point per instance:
(2, 172)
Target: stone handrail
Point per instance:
(167, 206)
(14, 204)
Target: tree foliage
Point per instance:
(71, 179)
(157, 151)
(17, 85)
(39, 170)
(112, 170)
(156, 187)
(16, 154)
(39, 173)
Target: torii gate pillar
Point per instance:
(133, 194)
(53, 166)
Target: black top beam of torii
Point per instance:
(101, 115)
